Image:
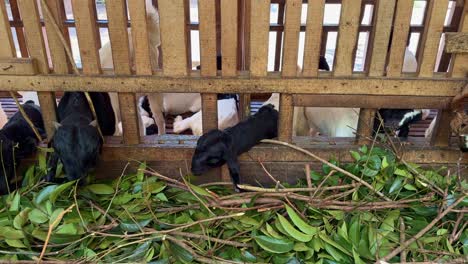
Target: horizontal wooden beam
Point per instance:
(20, 66)
(456, 42)
(372, 101)
(321, 85)
(269, 153)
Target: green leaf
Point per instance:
(385, 163)
(293, 232)
(54, 216)
(300, 247)
(396, 186)
(153, 187)
(356, 156)
(15, 203)
(133, 227)
(442, 232)
(248, 257)
(274, 245)
(338, 215)
(334, 253)
(272, 231)
(100, 189)
(140, 172)
(410, 187)
(15, 243)
(21, 218)
(343, 231)
(315, 176)
(45, 193)
(8, 232)
(301, 224)
(402, 173)
(354, 232)
(162, 197)
(327, 240)
(67, 229)
(140, 251)
(37, 216)
(363, 149)
(374, 163)
(61, 188)
(199, 190)
(369, 172)
(357, 259)
(181, 253)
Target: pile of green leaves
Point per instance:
(145, 217)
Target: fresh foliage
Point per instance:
(146, 217)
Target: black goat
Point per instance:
(216, 147)
(77, 142)
(397, 120)
(18, 141)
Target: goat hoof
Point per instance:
(237, 190)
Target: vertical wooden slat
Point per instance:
(279, 36)
(347, 37)
(57, 51)
(19, 30)
(35, 41)
(229, 37)
(244, 53)
(291, 45)
(431, 38)
(83, 13)
(207, 15)
(7, 48)
(117, 16)
(140, 41)
(259, 27)
(459, 69)
(383, 28)
(401, 28)
(381, 35)
(173, 38)
(313, 37)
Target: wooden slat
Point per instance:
(244, 106)
(173, 38)
(313, 37)
(459, 65)
(383, 27)
(83, 13)
(7, 49)
(400, 36)
(35, 42)
(259, 28)
(141, 46)
(207, 15)
(121, 57)
(373, 101)
(57, 51)
(241, 84)
(229, 39)
(437, 11)
(291, 44)
(347, 37)
(19, 66)
(456, 42)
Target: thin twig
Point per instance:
(217, 240)
(402, 240)
(51, 227)
(309, 181)
(323, 182)
(288, 190)
(278, 183)
(370, 187)
(423, 231)
(195, 195)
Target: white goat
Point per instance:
(227, 117)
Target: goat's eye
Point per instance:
(213, 160)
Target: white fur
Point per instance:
(3, 117)
(227, 117)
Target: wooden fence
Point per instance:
(242, 36)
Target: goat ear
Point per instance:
(93, 123)
(57, 125)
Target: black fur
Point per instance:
(18, 141)
(216, 147)
(392, 119)
(76, 143)
(323, 64)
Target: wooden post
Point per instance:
(292, 28)
(244, 53)
(259, 28)
(33, 30)
(7, 49)
(207, 16)
(381, 35)
(121, 57)
(313, 37)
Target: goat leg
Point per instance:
(156, 106)
(52, 165)
(234, 171)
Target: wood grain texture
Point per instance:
(122, 66)
(456, 42)
(229, 39)
(292, 28)
(373, 101)
(85, 25)
(347, 37)
(401, 28)
(140, 41)
(207, 14)
(383, 26)
(241, 84)
(437, 11)
(59, 58)
(285, 122)
(459, 65)
(313, 37)
(20, 66)
(259, 28)
(7, 49)
(173, 38)
(35, 41)
(365, 125)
